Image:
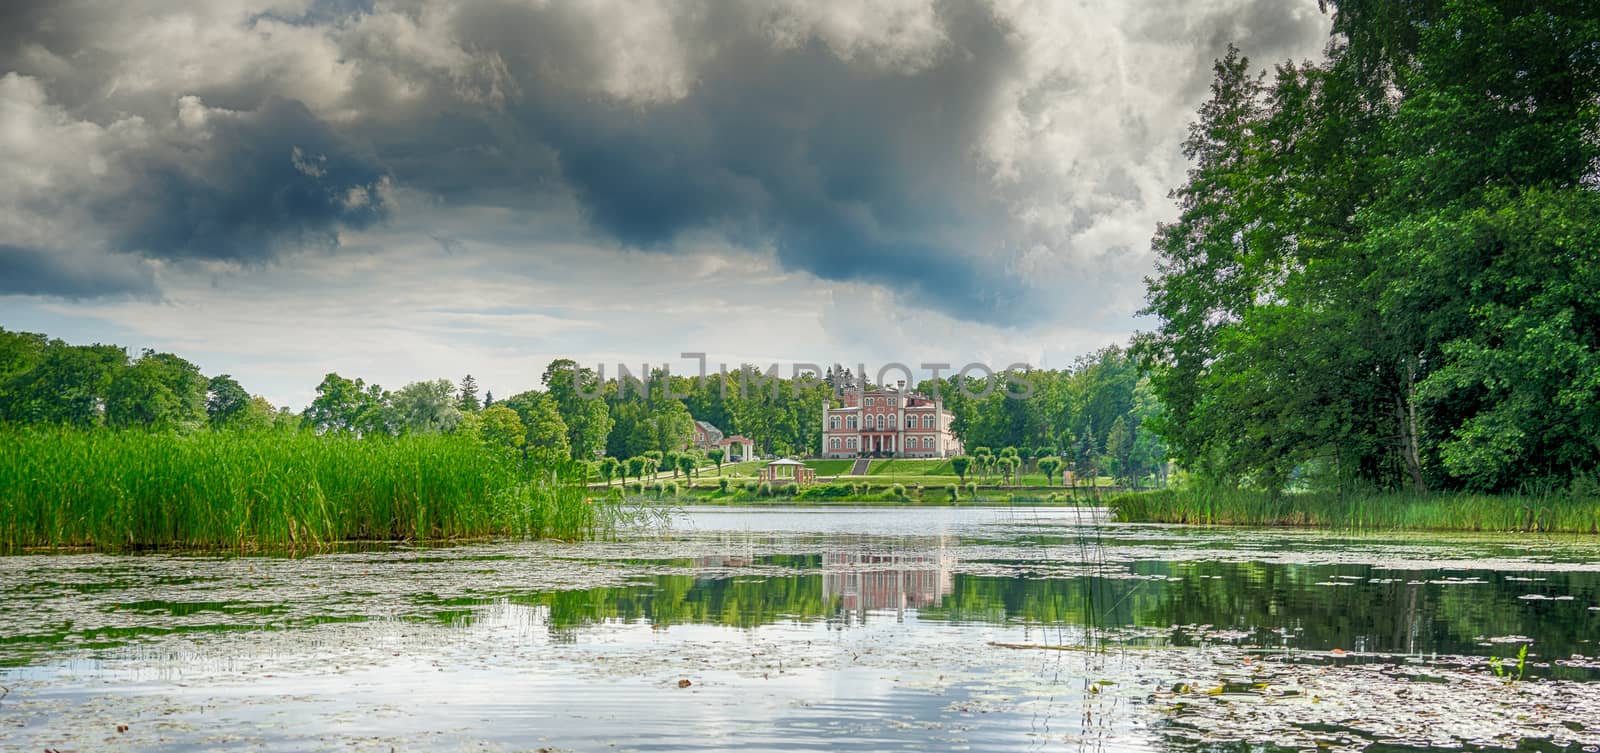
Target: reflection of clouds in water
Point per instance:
(881, 629)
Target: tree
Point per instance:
(636, 467)
(427, 407)
(960, 464)
(547, 434)
(669, 459)
(353, 406)
(1377, 263)
(1119, 446)
(499, 426)
(609, 467)
(160, 391)
(1009, 466)
(686, 464)
(226, 401)
(716, 455)
(588, 421)
(488, 398)
(1049, 465)
(468, 400)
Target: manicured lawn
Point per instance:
(830, 467)
(911, 467)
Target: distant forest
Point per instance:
(1098, 409)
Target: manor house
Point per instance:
(885, 421)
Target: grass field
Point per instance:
(1561, 512)
(126, 490)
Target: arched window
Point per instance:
(892, 422)
(927, 442)
(927, 422)
(833, 422)
(851, 422)
(880, 420)
(835, 443)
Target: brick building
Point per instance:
(888, 421)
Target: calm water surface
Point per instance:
(819, 629)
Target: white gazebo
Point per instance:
(787, 469)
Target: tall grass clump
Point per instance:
(1572, 510)
(126, 490)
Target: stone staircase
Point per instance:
(860, 468)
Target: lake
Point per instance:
(982, 629)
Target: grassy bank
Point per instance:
(1565, 512)
(122, 491)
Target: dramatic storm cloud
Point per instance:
(994, 164)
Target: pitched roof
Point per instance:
(785, 461)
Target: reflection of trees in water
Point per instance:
(1265, 603)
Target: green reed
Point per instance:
(126, 490)
(1549, 511)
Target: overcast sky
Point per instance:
(414, 189)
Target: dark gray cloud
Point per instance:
(259, 181)
(28, 271)
(854, 149)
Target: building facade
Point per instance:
(888, 422)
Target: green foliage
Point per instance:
(1386, 261)
(499, 426)
(1445, 511)
(226, 402)
(828, 492)
(1049, 465)
(426, 407)
(722, 484)
(898, 490)
(751, 487)
(765, 489)
(960, 464)
(125, 490)
(160, 391)
(587, 421)
(468, 395)
(349, 406)
(686, 464)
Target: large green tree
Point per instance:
(576, 393)
(160, 391)
(1385, 262)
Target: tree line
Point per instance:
(1093, 416)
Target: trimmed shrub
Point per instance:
(972, 490)
(899, 491)
(751, 486)
(722, 484)
(765, 489)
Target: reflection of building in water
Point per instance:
(869, 580)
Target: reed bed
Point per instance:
(1558, 511)
(127, 490)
